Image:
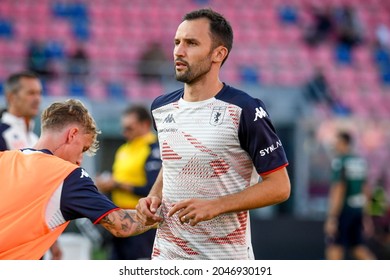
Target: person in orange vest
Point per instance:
(23, 93)
(44, 188)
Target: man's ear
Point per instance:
(9, 96)
(220, 53)
(72, 133)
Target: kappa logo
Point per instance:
(169, 119)
(84, 174)
(260, 113)
(217, 115)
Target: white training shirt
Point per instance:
(210, 149)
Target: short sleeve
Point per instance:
(81, 199)
(337, 170)
(258, 137)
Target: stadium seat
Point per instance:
(6, 29)
(275, 49)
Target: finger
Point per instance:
(140, 215)
(147, 221)
(176, 207)
(184, 219)
(153, 206)
(153, 203)
(144, 214)
(187, 218)
(193, 222)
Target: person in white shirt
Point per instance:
(23, 92)
(216, 142)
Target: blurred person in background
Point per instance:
(152, 62)
(135, 169)
(317, 89)
(349, 30)
(346, 217)
(39, 60)
(78, 65)
(216, 141)
(23, 92)
(44, 188)
(321, 28)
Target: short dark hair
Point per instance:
(346, 137)
(140, 111)
(220, 28)
(12, 83)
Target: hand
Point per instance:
(193, 211)
(105, 183)
(56, 253)
(368, 226)
(331, 227)
(147, 209)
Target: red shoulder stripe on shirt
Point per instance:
(273, 170)
(105, 214)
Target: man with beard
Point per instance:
(216, 142)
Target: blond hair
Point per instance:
(60, 114)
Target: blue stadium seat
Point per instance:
(116, 90)
(6, 29)
(77, 88)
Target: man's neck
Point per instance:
(201, 91)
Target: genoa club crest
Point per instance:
(217, 115)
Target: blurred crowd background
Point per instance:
(318, 66)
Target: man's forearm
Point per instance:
(123, 223)
(138, 227)
(274, 189)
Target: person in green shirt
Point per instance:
(347, 202)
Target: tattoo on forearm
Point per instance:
(122, 223)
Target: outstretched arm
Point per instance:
(123, 223)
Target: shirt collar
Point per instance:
(13, 120)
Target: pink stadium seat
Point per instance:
(3, 72)
(292, 34)
(153, 90)
(56, 88)
(97, 10)
(16, 50)
(6, 8)
(287, 78)
(362, 56)
(96, 91)
(118, 35)
(134, 90)
(59, 29)
(268, 76)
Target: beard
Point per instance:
(194, 72)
